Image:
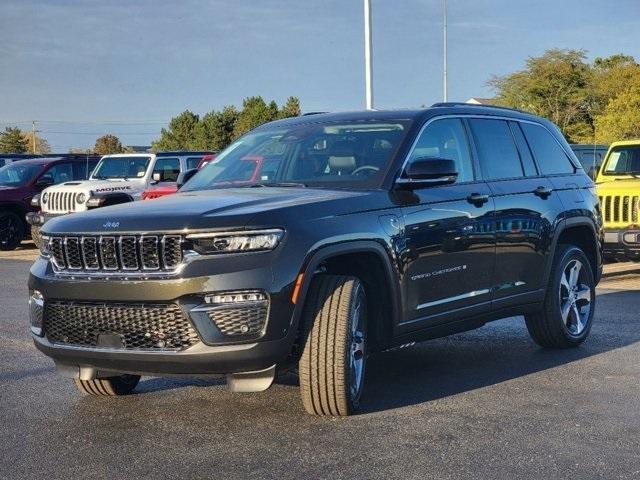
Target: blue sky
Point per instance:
(128, 66)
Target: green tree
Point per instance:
(108, 144)
(621, 117)
(291, 108)
(180, 135)
(255, 112)
(216, 129)
(12, 141)
(556, 85)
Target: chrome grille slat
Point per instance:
(115, 254)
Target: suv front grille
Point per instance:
(61, 202)
(132, 326)
(618, 209)
(116, 253)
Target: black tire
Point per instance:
(11, 231)
(35, 236)
(549, 327)
(108, 387)
(332, 365)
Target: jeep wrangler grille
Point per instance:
(617, 209)
(114, 325)
(116, 253)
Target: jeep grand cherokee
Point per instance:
(362, 232)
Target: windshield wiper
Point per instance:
(278, 184)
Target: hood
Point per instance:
(222, 208)
(98, 186)
(628, 186)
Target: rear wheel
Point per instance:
(108, 387)
(333, 360)
(567, 314)
(11, 231)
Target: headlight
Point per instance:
(35, 200)
(81, 198)
(44, 247)
(45, 197)
(235, 242)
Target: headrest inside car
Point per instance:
(342, 163)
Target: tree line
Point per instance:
(591, 102)
(14, 140)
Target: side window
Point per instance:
(529, 165)
(498, 154)
(168, 168)
(61, 172)
(446, 139)
(551, 158)
(192, 162)
(82, 170)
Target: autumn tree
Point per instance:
(620, 119)
(41, 147)
(108, 144)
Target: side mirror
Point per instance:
(428, 171)
(44, 181)
(156, 177)
(185, 176)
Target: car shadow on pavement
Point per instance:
(498, 352)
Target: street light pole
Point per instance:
(368, 61)
(444, 51)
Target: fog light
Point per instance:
(36, 312)
(235, 297)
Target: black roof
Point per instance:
(409, 114)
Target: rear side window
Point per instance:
(551, 158)
(497, 151)
(446, 139)
(528, 164)
(192, 162)
(168, 168)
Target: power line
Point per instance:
(98, 133)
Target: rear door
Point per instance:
(449, 254)
(525, 207)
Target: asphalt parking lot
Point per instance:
(483, 404)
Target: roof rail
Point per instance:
(312, 113)
(475, 105)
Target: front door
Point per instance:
(449, 254)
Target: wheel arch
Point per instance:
(371, 262)
(582, 233)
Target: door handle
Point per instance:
(542, 192)
(478, 199)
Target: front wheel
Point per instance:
(333, 359)
(110, 386)
(11, 231)
(567, 314)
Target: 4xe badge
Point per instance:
(111, 225)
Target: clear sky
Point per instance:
(84, 68)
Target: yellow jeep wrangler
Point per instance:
(618, 185)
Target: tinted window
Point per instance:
(168, 168)
(498, 154)
(61, 172)
(17, 174)
(446, 139)
(550, 156)
(192, 162)
(529, 165)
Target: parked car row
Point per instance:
(34, 190)
(311, 243)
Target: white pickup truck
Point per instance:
(118, 178)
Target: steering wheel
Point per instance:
(365, 168)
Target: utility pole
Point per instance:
(444, 51)
(368, 60)
(33, 136)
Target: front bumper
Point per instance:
(622, 243)
(213, 353)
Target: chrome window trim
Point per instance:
(485, 117)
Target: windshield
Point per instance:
(347, 155)
(17, 175)
(121, 167)
(624, 161)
